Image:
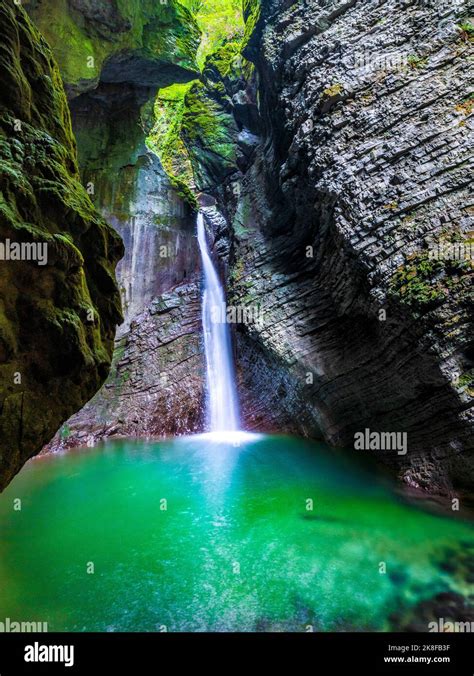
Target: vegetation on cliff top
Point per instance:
(218, 20)
(194, 129)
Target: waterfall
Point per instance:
(222, 393)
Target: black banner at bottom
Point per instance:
(363, 652)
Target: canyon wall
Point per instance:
(362, 175)
(59, 302)
(113, 57)
(334, 138)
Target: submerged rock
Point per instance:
(58, 319)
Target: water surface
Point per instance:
(198, 534)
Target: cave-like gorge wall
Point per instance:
(365, 158)
(113, 57)
(58, 319)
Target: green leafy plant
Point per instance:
(466, 107)
(65, 432)
(466, 29)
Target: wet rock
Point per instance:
(156, 386)
(58, 320)
(362, 171)
(136, 47)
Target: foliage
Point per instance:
(415, 61)
(423, 282)
(193, 132)
(466, 107)
(466, 30)
(218, 20)
(334, 90)
(165, 139)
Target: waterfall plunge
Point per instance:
(223, 403)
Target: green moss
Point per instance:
(161, 32)
(467, 380)
(414, 61)
(466, 106)
(251, 12)
(423, 282)
(209, 133)
(80, 56)
(333, 90)
(165, 139)
(45, 332)
(217, 19)
(65, 432)
(225, 61)
(414, 285)
(466, 29)
(195, 132)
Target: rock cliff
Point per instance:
(113, 57)
(155, 387)
(361, 178)
(119, 55)
(335, 138)
(59, 302)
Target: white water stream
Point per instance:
(221, 387)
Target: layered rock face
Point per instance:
(361, 178)
(341, 163)
(59, 303)
(156, 384)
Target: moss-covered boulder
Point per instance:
(59, 304)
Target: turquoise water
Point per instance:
(200, 535)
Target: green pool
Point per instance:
(207, 534)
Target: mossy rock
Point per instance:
(210, 134)
(195, 133)
(57, 321)
(141, 42)
(424, 282)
